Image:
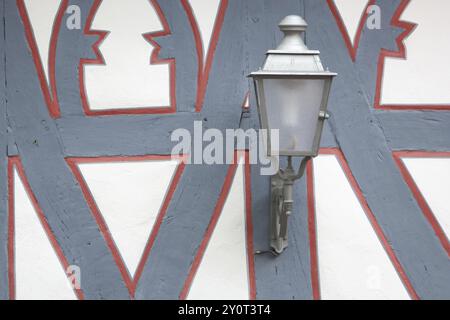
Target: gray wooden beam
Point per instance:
(287, 276)
(3, 162)
(416, 130)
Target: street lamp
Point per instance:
(292, 91)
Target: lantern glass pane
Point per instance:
(293, 107)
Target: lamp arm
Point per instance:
(289, 175)
(302, 168)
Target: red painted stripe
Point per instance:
(315, 283)
(249, 228)
(131, 282)
(199, 45)
(373, 221)
(351, 46)
(11, 228)
(52, 59)
(246, 102)
(99, 60)
(50, 94)
(204, 68)
(421, 154)
(428, 213)
(15, 163)
(84, 160)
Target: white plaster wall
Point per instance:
(424, 76)
(42, 14)
(129, 196)
(205, 14)
(223, 272)
(351, 12)
(352, 261)
(127, 80)
(432, 177)
(39, 274)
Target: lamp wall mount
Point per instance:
(292, 91)
(282, 203)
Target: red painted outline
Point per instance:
(246, 102)
(373, 221)
(249, 227)
(204, 68)
(215, 218)
(421, 201)
(14, 162)
(352, 47)
(154, 60)
(49, 89)
(130, 281)
(400, 54)
(315, 281)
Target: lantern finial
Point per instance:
(293, 26)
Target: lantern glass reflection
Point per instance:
(293, 107)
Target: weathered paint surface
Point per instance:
(44, 124)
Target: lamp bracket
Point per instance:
(282, 186)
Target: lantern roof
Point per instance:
(292, 57)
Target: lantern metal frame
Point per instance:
(262, 109)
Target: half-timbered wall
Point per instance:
(90, 196)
